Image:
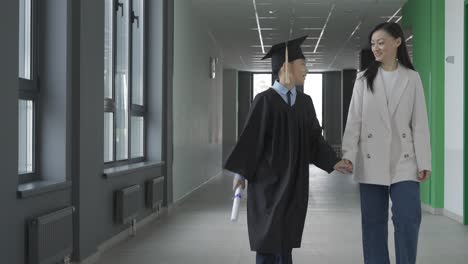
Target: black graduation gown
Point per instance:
(273, 153)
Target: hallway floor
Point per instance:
(198, 230)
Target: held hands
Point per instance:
(344, 166)
(424, 175)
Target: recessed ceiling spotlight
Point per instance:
(272, 11)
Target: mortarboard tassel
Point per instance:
(286, 61)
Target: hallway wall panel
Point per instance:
(9, 130)
(93, 194)
(17, 211)
(197, 103)
(454, 94)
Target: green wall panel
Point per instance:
(426, 19)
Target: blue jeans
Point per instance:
(285, 258)
(406, 210)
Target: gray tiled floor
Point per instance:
(198, 231)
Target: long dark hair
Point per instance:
(402, 53)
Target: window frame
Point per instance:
(29, 90)
(133, 109)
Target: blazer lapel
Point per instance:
(400, 86)
(379, 93)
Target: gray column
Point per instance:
(349, 77)
(332, 108)
(244, 96)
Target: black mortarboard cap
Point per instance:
(277, 53)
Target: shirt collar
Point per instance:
(280, 88)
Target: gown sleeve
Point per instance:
(322, 154)
(248, 151)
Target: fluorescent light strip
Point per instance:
(308, 17)
(270, 17)
(390, 19)
(264, 29)
(258, 26)
(398, 20)
(323, 29)
(261, 46)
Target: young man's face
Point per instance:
(299, 71)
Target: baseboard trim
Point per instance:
(93, 259)
(444, 212)
(432, 210)
(181, 199)
(125, 234)
(456, 217)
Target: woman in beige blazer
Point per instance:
(387, 146)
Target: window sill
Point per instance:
(35, 188)
(131, 168)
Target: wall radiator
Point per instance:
(127, 204)
(51, 237)
(155, 193)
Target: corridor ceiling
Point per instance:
(337, 30)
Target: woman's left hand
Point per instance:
(424, 175)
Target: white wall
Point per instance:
(230, 79)
(197, 103)
(454, 107)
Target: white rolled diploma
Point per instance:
(236, 203)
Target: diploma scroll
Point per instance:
(236, 203)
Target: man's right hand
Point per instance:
(238, 182)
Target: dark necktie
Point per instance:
(289, 97)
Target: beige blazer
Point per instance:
(388, 142)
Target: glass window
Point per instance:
(108, 47)
(121, 82)
(25, 137)
(261, 82)
(137, 137)
(124, 86)
(121, 112)
(313, 86)
(28, 88)
(137, 53)
(25, 39)
(108, 137)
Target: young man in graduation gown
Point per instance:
(281, 137)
